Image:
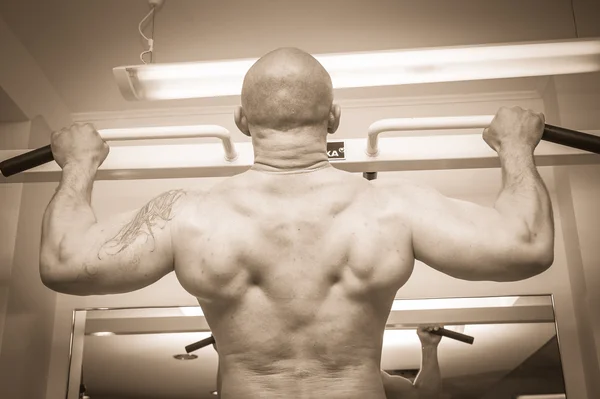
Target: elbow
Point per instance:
(59, 276)
(529, 254)
(541, 260)
(52, 275)
(49, 269)
(529, 263)
(538, 255)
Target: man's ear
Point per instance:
(334, 118)
(240, 121)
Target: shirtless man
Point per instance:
(294, 262)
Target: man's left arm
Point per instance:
(80, 255)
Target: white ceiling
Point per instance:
(77, 43)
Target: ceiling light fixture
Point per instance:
(375, 68)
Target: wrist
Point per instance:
(85, 167)
(77, 179)
(515, 149)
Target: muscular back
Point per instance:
(296, 275)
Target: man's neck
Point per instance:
(290, 152)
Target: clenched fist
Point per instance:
(78, 144)
(428, 339)
(515, 128)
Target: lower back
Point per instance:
(301, 380)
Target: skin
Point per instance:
(296, 263)
(427, 384)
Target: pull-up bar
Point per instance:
(44, 155)
(554, 134)
(464, 151)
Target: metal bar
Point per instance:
(416, 124)
(395, 154)
(396, 319)
(467, 339)
(42, 155)
(490, 315)
(76, 360)
(200, 344)
(553, 134)
(148, 325)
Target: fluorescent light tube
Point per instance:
(366, 69)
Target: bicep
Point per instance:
(123, 253)
(464, 239)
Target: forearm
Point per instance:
(68, 214)
(524, 199)
(429, 380)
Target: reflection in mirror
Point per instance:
(141, 352)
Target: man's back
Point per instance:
(298, 283)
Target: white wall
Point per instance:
(12, 136)
(578, 102)
(29, 306)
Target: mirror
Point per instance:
(132, 353)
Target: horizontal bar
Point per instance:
(173, 132)
(43, 155)
(147, 325)
(200, 344)
(489, 315)
(551, 133)
(442, 332)
(396, 319)
(415, 124)
(395, 154)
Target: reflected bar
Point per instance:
(467, 339)
(200, 344)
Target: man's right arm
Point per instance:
(512, 241)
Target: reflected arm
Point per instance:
(429, 379)
(427, 385)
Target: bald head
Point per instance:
(287, 89)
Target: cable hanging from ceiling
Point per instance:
(154, 5)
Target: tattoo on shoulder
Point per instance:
(155, 214)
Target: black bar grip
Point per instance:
(572, 138)
(26, 161)
(370, 175)
(200, 344)
(454, 335)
